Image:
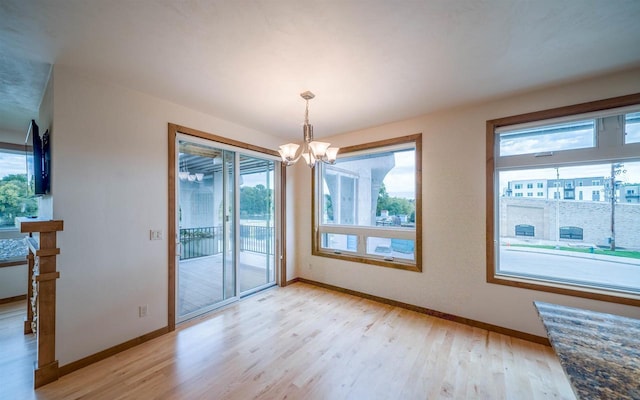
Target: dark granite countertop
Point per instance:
(600, 353)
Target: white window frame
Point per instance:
(364, 232)
(608, 148)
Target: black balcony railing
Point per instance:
(255, 238)
(208, 241)
(200, 242)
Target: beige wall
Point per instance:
(454, 272)
(13, 136)
(110, 188)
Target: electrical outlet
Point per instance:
(155, 234)
(142, 311)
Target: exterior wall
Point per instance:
(519, 188)
(593, 217)
(359, 201)
(630, 194)
(189, 192)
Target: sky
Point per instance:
(400, 181)
(12, 163)
(566, 136)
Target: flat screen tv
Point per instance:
(38, 160)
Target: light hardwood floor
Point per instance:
(305, 342)
(17, 352)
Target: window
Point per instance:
(525, 230)
(553, 244)
(632, 128)
(518, 186)
(15, 201)
(540, 194)
(367, 204)
(571, 232)
(569, 194)
(564, 136)
(529, 185)
(529, 194)
(540, 185)
(518, 194)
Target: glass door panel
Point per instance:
(257, 220)
(206, 275)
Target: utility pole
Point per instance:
(613, 206)
(616, 169)
(557, 196)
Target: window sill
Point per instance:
(370, 261)
(14, 263)
(587, 292)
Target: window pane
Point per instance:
(632, 128)
(567, 235)
(566, 136)
(370, 190)
(14, 202)
(391, 248)
(334, 241)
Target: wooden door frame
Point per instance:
(173, 130)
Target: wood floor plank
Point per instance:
(306, 342)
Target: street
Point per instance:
(576, 267)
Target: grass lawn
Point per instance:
(617, 253)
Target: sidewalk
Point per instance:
(574, 254)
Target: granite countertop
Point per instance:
(600, 353)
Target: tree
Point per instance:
(383, 199)
(328, 207)
(14, 199)
(255, 200)
(394, 205)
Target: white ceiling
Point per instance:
(368, 61)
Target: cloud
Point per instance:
(11, 163)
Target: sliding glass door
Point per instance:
(226, 220)
(257, 223)
(206, 203)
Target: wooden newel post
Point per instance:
(41, 305)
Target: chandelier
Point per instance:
(185, 175)
(312, 151)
